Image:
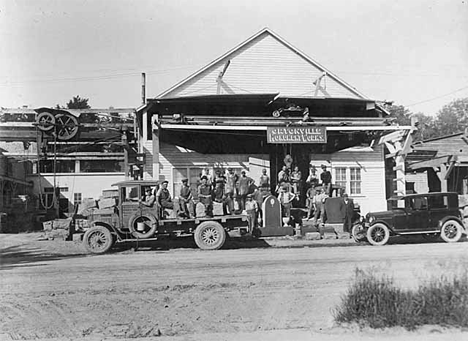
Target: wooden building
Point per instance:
(440, 164)
(66, 155)
(263, 104)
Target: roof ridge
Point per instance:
(249, 40)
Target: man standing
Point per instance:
(285, 198)
(264, 182)
(296, 180)
(347, 212)
(231, 180)
(283, 175)
(186, 200)
(326, 178)
(319, 205)
(244, 186)
(251, 207)
(310, 202)
(312, 179)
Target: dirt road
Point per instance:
(47, 293)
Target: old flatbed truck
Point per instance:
(130, 221)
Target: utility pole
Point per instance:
(143, 88)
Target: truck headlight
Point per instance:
(371, 219)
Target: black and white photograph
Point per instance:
(233, 170)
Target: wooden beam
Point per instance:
(251, 127)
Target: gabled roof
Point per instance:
(266, 55)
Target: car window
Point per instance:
(419, 203)
(129, 193)
(437, 202)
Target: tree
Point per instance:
(78, 103)
(400, 114)
(426, 125)
(452, 118)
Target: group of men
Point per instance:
(235, 193)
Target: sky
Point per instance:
(412, 52)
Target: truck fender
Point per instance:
(108, 226)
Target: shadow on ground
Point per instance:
(25, 255)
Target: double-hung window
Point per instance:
(348, 178)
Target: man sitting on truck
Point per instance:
(186, 200)
(148, 199)
(205, 196)
(163, 196)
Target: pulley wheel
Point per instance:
(45, 121)
(67, 126)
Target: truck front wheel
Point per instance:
(210, 235)
(98, 239)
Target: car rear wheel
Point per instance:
(210, 235)
(98, 239)
(451, 231)
(378, 234)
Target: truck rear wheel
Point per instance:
(98, 239)
(210, 235)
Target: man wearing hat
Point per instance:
(251, 207)
(163, 197)
(244, 188)
(220, 196)
(148, 199)
(205, 195)
(326, 178)
(186, 200)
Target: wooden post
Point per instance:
(155, 132)
(442, 177)
(126, 147)
(400, 177)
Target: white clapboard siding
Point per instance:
(172, 156)
(263, 65)
(371, 162)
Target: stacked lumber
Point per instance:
(58, 228)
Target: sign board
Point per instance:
(297, 135)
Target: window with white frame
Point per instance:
(77, 198)
(349, 179)
(355, 180)
(340, 177)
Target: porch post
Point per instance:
(155, 132)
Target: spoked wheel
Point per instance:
(358, 233)
(210, 235)
(67, 126)
(378, 234)
(451, 231)
(45, 121)
(98, 239)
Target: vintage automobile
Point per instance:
(131, 221)
(431, 215)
